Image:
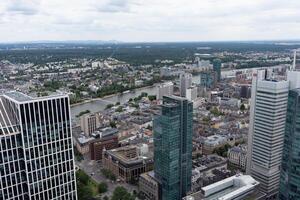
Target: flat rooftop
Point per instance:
(20, 97)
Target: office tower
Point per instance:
(208, 79)
(266, 130)
(173, 147)
(165, 89)
(89, 123)
(290, 178)
(36, 154)
(245, 92)
(185, 82)
(192, 93)
(217, 64)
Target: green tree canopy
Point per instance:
(120, 193)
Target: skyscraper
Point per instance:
(36, 150)
(266, 130)
(173, 147)
(208, 79)
(290, 178)
(217, 64)
(185, 82)
(165, 89)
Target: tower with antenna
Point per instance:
(294, 62)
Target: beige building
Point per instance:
(237, 156)
(148, 186)
(89, 123)
(82, 144)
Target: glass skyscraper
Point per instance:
(217, 64)
(290, 169)
(36, 154)
(173, 147)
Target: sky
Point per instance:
(149, 20)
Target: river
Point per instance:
(100, 104)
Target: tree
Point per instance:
(108, 174)
(102, 187)
(82, 177)
(120, 193)
(84, 192)
(152, 97)
(113, 124)
(242, 108)
(119, 109)
(222, 151)
(108, 106)
(105, 198)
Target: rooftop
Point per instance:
(18, 96)
(229, 188)
(21, 97)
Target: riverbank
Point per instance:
(110, 96)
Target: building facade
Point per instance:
(266, 130)
(127, 163)
(106, 142)
(166, 89)
(89, 123)
(237, 157)
(37, 160)
(290, 177)
(173, 147)
(217, 64)
(207, 79)
(192, 93)
(149, 186)
(185, 81)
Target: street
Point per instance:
(93, 169)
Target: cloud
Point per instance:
(23, 7)
(114, 6)
(144, 20)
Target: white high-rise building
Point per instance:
(191, 93)
(165, 89)
(266, 129)
(36, 148)
(185, 82)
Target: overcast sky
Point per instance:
(149, 20)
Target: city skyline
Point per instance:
(142, 21)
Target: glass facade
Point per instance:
(36, 156)
(173, 147)
(217, 64)
(290, 169)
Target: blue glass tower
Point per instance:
(173, 147)
(217, 68)
(208, 79)
(290, 171)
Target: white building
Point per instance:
(185, 82)
(266, 128)
(97, 64)
(237, 187)
(165, 89)
(36, 147)
(191, 93)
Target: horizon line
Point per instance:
(141, 42)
